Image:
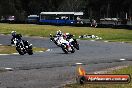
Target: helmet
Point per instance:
(64, 36)
(67, 33)
(13, 33)
(59, 31)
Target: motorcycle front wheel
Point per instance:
(30, 52)
(73, 50)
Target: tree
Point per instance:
(91, 8)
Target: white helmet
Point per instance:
(59, 32)
(67, 33)
(13, 32)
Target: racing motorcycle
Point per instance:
(67, 47)
(24, 47)
(74, 43)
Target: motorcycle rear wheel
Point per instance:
(20, 51)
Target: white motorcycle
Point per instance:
(67, 47)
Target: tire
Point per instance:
(30, 52)
(64, 49)
(77, 46)
(73, 50)
(19, 51)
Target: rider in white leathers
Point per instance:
(64, 41)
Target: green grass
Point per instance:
(45, 30)
(127, 70)
(12, 49)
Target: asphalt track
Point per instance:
(53, 68)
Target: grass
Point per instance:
(12, 49)
(127, 70)
(36, 49)
(45, 30)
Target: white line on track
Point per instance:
(40, 51)
(106, 41)
(122, 59)
(41, 37)
(122, 42)
(78, 63)
(4, 54)
(92, 40)
(12, 45)
(77, 39)
(18, 53)
(9, 69)
(15, 53)
(49, 50)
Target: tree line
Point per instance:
(91, 8)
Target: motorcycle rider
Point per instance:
(19, 37)
(15, 35)
(58, 37)
(64, 41)
(68, 36)
(71, 40)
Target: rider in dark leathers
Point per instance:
(15, 35)
(19, 37)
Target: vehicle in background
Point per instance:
(115, 22)
(7, 19)
(11, 19)
(110, 21)
(33, 19)
(61, 18)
